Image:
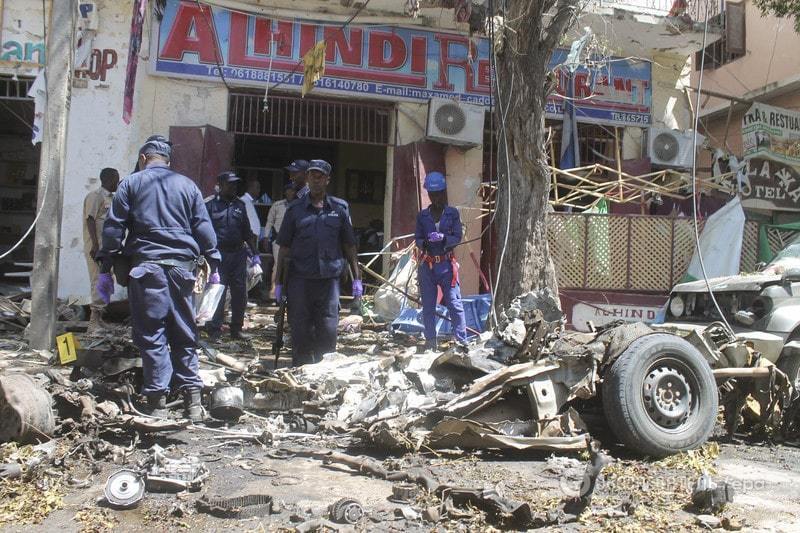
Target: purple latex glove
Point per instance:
(105, 286)
(256, 259)
(278, 292)
(435, 236)
(358, 288)
(213, 279)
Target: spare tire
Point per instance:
(660, 396)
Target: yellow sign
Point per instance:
(67, 348)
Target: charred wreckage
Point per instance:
(521, 387)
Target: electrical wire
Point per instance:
(694, 176)
(216, 48)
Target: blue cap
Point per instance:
(321, 165)
(298, 165)
(434, 182)
(228, 177)
(156, 144)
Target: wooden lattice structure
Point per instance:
(628, 252)
(583, 187)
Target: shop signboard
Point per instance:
(768, 184)
(771, 143)
(772, 133)
(391, 62)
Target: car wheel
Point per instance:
(660, 396)
(789, 364)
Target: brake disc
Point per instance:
(124, 489)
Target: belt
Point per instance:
(430, 260)
(186, 265)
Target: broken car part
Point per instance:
(248, 506)
(404, 493)
(711, 496)
(165, 474)
(124, 489)
(227, 403)
(26, 413)
(346, 511)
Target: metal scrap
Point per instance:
(124, 489)
(238, 507)
(26, 413)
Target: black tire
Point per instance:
(671, 421)
(789, 364)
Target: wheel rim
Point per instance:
(669, 393)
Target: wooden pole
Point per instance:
(47, 243)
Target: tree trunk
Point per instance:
(523, 83)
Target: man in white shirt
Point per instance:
(274, 221)
(95, 212)
(253, 190)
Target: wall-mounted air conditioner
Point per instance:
(672, 148)
(453, 122)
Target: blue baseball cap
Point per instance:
(435, 182)
(156, 144)
(298, 165)
(228, 177)
(321, 165)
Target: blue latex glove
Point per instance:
(105, 286)
(256, 259)
(358, 288)
(213, 279)
(278, 292)
(435, 236)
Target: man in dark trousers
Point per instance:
(438, 231)
(236, 242)
(317, 236)
(160, 216)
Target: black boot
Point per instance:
(193, 408)
(157, 405)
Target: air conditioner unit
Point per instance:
(453, 122)
(672, 148)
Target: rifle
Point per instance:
(280, 317)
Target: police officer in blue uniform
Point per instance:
(298, 174)
(236, 242)
(160, 217)
(317, 237)
(438, 231)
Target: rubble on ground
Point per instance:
(515, 388)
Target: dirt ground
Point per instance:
(630, 495)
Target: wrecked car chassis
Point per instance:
(660, 391)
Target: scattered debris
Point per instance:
(347, 511)
(26, 413)
(249, 506)
(165, 474)
(124, 489)
(403, 493)
(227, 403)
(711, 496)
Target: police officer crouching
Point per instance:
(160, 216)
(317, 237)
(229, 217)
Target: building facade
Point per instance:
(223, 80)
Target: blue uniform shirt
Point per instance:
(163, 215)
(230, 223)
(316, 237)
(449, 224)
